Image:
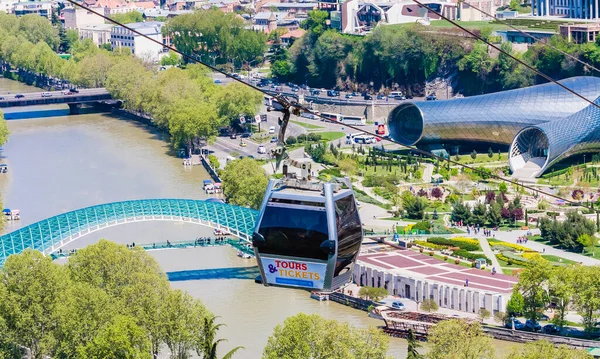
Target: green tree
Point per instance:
(494, 214)
(460, 212)
(36, 28)
(586, 286)
(311, 336)
(236, 99)
(560, 288)
(587, 241)
(474, 154)
(413, 346)
(128, 17)
(183, 324)
(121, 338)
(516, 303)
(454, 338)
(35, 288)
(373, 293)
(479, 214)
(172, 59)
(244, 182)
(4, 132)
(532, 283)
(514, 4)
(490, 153)
(316, 21)
(414, 205)
(214, 161)
(429, 305)
(208, 346)
(543, 349)
(484, 314)
(503, 188)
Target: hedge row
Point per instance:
(471, 256)
(451, 243)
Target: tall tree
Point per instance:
(244, 182)
(413, 346)
(311, 336)
(532, 284)
(543, 349)
(454, 338)
(586, 286)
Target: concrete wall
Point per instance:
(466, 299)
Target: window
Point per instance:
(294, 232)
(349, 232)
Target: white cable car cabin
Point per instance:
(308, 233)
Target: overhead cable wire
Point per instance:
(310, 111)
(539, 73)
(537, 40)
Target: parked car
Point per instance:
(348, 96)
(367, 97)
(272, 129)
(262, 149)
(315, 92)
(431, 97)
(273, 139)
(217, 81)
(551, 329)
(74, 90)
(409, 97)
(380, 96)
(399, 97)
(532, 326)
(19, 96)
(333, 93)
(398, 305)
(246, 134)
(518, 324)
(233, 136)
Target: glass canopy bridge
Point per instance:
(51, 234)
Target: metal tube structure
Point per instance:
(492, 118)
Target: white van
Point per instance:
(395, 93)
(46, 94)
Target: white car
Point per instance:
(46, 94)
(262, 149)
(271, 129)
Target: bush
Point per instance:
(457, 261)
(313, 137)
(301, 138)
(429, 305)
(470, 256)
(422, 226)
(431, 254)
(291, 140)
(445, 258)
(421, 250)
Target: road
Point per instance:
(5, 97)
(322, 97)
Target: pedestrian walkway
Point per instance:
(487, 250)
(512, 236)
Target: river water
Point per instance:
(57, 164)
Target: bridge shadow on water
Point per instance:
(24, 115)
(214, 273)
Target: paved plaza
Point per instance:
(425, 267)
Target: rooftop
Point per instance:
(294, 5)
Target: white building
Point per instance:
(38, 8)
(99, 34)
(7, 6)
(140, 46)
(360, 16)
(75, 18)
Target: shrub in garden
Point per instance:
(457, 261)
(431, 254)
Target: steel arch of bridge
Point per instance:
(50, 234)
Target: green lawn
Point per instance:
(482, 158)
(307, 125)
(331, 136)
(556, 259)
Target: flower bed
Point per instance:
(429, 245)
(514, 246)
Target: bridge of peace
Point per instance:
(403, 272)
(74, 100)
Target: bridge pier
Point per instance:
(74, 108)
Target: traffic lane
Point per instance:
(38, 95)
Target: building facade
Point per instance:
(7, 6)
(580, 33)
(76, 18)
(36, 8)
(139, 45)
(575, 9)
(361, 17)
(495, 118)
(99, 34)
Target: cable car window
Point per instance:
(294, 232)
(297, 202)
(349, 233)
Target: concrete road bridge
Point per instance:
(51, 234)
(74, 100)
